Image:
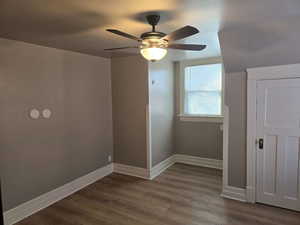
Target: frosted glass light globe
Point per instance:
(153, 53)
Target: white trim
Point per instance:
(251, 194)
(196, 62)
(199, 161)
(131, 170)
(26, 209)
(196, 118)
(234, 193)
(225, 146)
(251, 137)
(162, 166)
(254, 75)
(148, 137)
(274, 72)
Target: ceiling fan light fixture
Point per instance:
(153, 45)
(153, 53)
(153, 49)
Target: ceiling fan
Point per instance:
(153, 45)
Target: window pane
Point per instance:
(203, 89)
(203, 77)
(203, 103)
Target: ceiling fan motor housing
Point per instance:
(152, 35)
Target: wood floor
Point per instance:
(182, 195)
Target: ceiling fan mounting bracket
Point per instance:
(153, 20)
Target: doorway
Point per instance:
(273, 138)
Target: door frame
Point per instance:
(253, 76)
(1, 208)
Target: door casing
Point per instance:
(253, 76)
(1, 208)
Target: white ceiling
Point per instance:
(80, 25)
(260, 33)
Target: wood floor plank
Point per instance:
(182, 195)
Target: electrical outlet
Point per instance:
(109, 158)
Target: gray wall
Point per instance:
(130, 100)
(162, 97)
(200, 139)
(37, 156)
(245, 47)
(235, 99)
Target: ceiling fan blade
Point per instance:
(187, 47)
(181, 33)
(123, 34)
(120, 48)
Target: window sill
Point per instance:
(195, 118)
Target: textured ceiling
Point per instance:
(80, 25)
(260, 33)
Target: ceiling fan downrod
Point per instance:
(153, 21)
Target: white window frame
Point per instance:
(198, 118)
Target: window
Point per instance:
(202, 90)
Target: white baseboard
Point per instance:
(234, 193)
(28, 208)
(162, 166)
(131, 170)
(250, 194)
(198, 161)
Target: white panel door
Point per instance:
(278, 157)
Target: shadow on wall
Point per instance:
(58, 18)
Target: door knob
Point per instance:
(261, 143)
